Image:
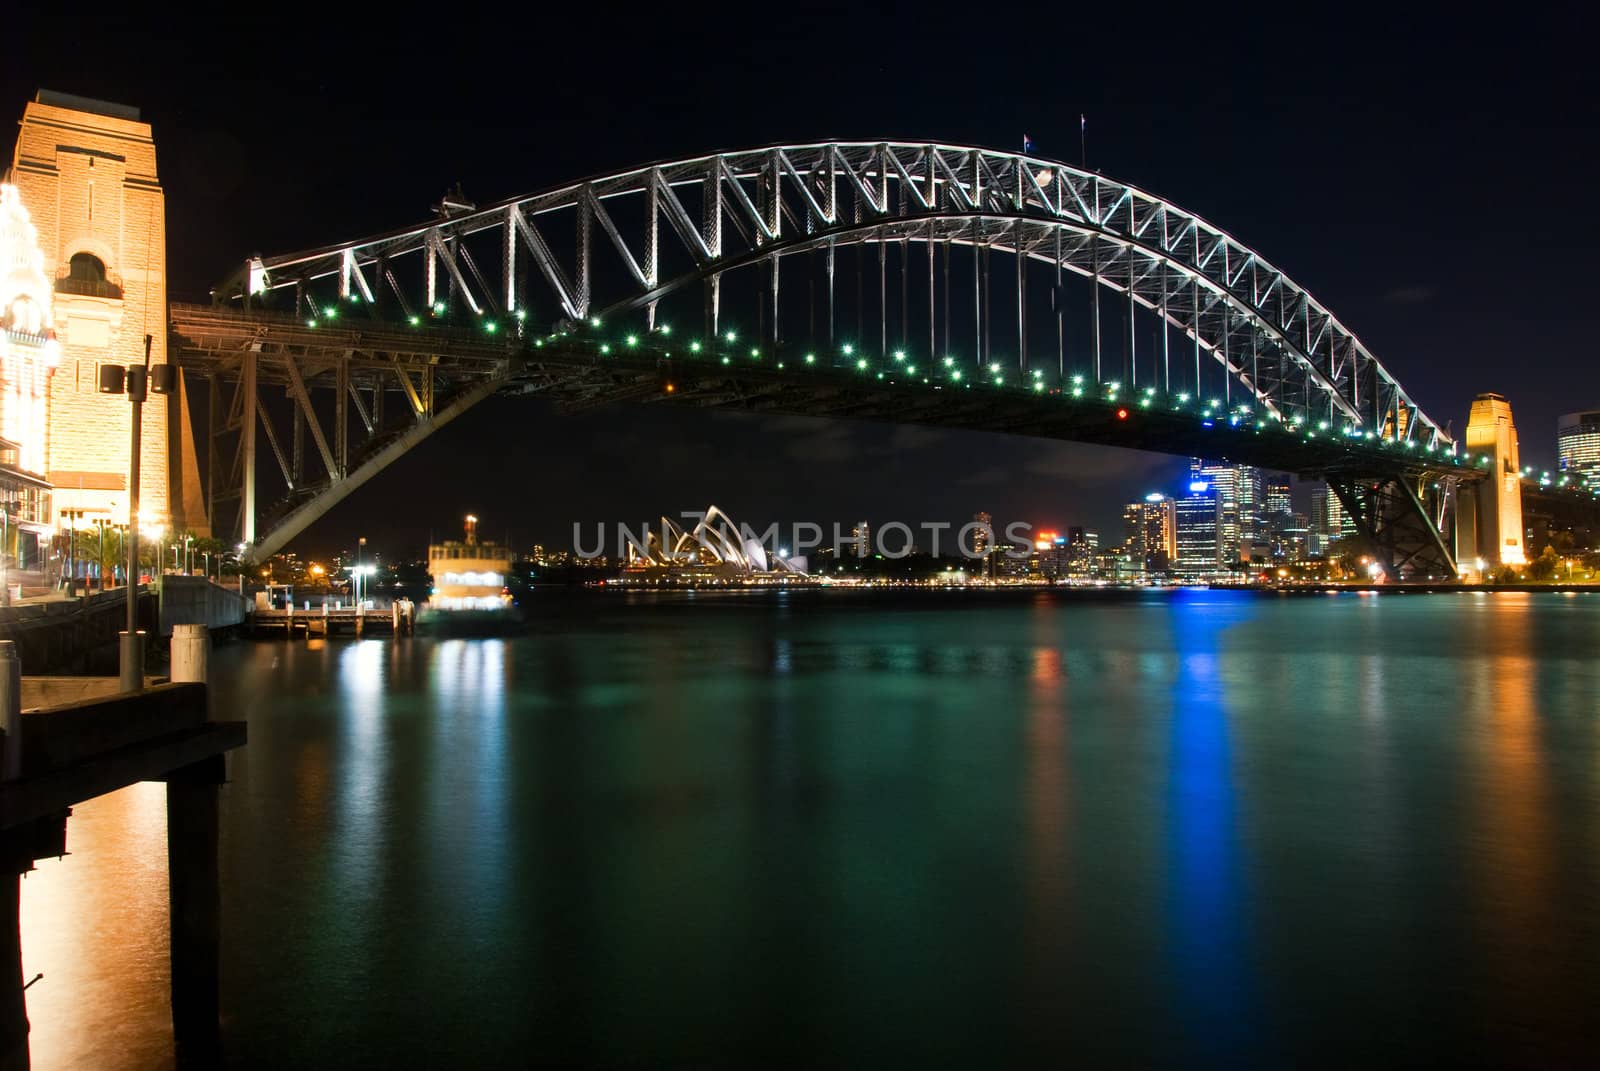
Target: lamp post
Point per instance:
(136, 381)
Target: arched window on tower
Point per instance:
(86, 275)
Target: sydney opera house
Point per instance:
(715, 551)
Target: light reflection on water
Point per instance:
(1200, 828)
(95, 924)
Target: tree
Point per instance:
(1346, 554)
(1544, 566)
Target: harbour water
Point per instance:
(827, 829)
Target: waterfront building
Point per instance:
(1010, 561)
(1050, 555)
(1277, 519)
(1277, 495)
(24, 515)
(1082, 548)
(1295, 538)
(861, 539)
(1578, 447)
(1239, 498)
(982, 542)
(1199, 532)
(1120, 566)
(715, 550)
(1329, 521)
(1149, 536)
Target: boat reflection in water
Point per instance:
(469, 596)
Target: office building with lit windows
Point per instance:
(1198, 532)
(1149, 538)
(1578, 447)
(1239, 498)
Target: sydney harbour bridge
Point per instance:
(920, 283)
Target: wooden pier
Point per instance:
(398, 619)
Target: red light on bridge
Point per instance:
(1122, 414)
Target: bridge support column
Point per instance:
(247, 445)
(1404, 539)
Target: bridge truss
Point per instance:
(861, 251)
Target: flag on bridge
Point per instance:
(1027, 143)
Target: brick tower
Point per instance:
(86, 171)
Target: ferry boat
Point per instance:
(469, 594)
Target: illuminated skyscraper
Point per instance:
(1239, 498)
(1329, 521)
(861, 536)
(1578, 444)
(1149, 536)
(1082, 547)
(1276, 515)
(982, 536)
(1198, 526)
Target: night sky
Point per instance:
(1428, 179)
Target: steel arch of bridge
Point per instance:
(755, 207)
